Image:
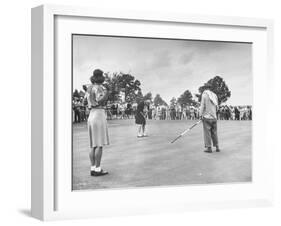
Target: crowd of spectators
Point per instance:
(235, 112)
(163, 112)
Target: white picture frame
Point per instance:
(48, 185)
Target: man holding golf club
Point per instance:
(208, 113)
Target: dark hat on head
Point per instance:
(97, 77)
(208, 85)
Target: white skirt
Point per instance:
(97, 127)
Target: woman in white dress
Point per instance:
(97, 124)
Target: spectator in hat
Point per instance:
(208, 113)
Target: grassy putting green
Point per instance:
(154, 161)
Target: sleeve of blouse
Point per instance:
(202, 104)
(92, 97)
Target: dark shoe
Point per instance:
(101, 173)
(92, 173)
(217, 149)
(208, 150)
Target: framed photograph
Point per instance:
(138, 112)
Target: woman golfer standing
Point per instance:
(97, 124)
(140, 119)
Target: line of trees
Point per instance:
(218, 86)
(121, 82)
(127, 84)
(184, 100)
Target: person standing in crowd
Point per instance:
(128, 110)
(82, 110)
(183, 113)
(97, 124)
(237, 113)
(85, 102)
(250, 113)
(122, 111)
(180, 112)
(108, 112)
(112, 109)
(222, 113)
(197, 113)
(232, 113)
(163, 113)
(220, 116)
(241, 113)
(154, 113)
(168, 113)
(192, 113)
(140, 119)
(208, 113)
(226, 112)
(149, 114)
(187, 112)
(76, 108)
(145, 110)
(173, 113)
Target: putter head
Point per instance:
(173, 141)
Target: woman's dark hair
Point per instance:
(97, 77)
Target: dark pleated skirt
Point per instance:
(140, 119)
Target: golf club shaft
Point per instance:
(184, 132)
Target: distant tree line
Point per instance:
(130, 87)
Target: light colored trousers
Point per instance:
(210, 132)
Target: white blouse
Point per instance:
(94, 94)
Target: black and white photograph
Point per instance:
(150, 112)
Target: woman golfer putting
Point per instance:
(140, 119)
(97, 124)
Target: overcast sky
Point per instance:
(167, 67)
